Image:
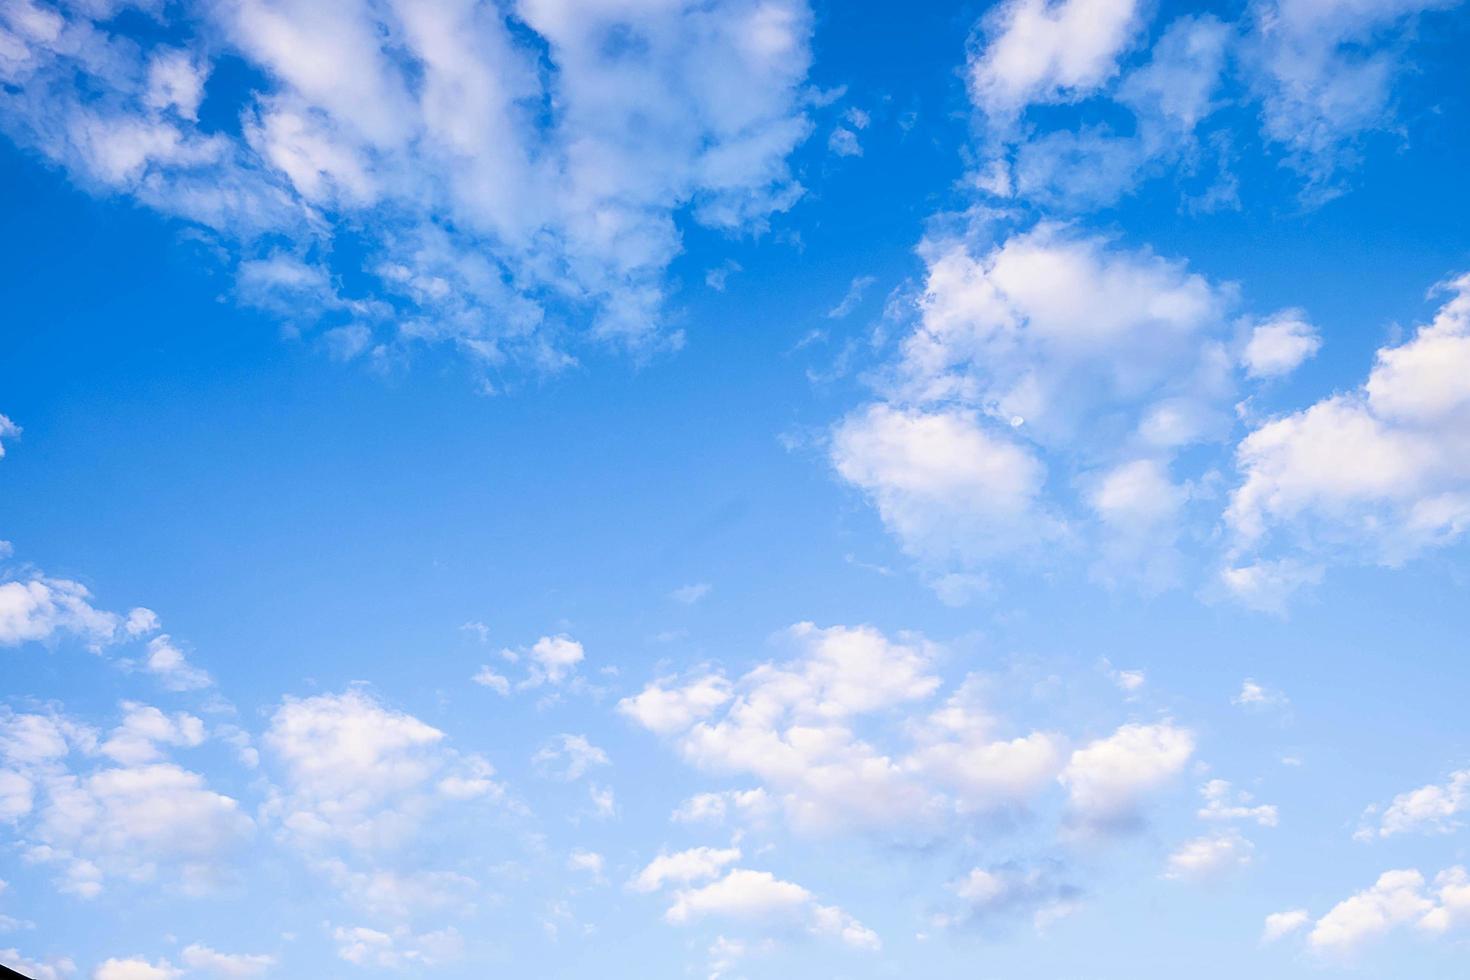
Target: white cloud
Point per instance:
(8, 430)
(1281, 924)
(945, 484)
(666, 710)
(147, 820)
(1092, 164)
(683, 867)
(1279, 345)
(1433, 808)
(1034, 51)
(1380, 473)
(39, 608)
(136, 968)
(487, 677)
(1396, 899)
(569, 757)
(760, 897)
(487, 223)
(1107, 779)
(553, 660)
(145, 729)
(1205, 857)
(359, 773)
(1325, 73)
(1222, 804)
(200, 957)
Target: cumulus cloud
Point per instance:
(946, 484)
(1435, 808)
(1281, 924)
(760, 898)
(1032, 51)
(359, 773)
(844, 735)
(136, 968)
(1279, 345)
(145, 820)
(1210, 855)
(1376, 474)
(683, 867)
(1397, 899)
(1107, 779)
(512, 173)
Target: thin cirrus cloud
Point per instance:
(505, 209)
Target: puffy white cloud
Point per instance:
(1396, 899)
(1207, 856)
(359, 773)
(552, 660)
(39, 608)
(790, 725)
(145, 820)
(145, 729)
(569, 757)
(1433, 808)
(1034, 51)
(136, 968)
(839, 737)
(172, 667)
(762, 898)
(1279, 345)
(683, 867)
(1107, 779)
(199, 957)
(1380, 473)
(1281, 924)
(509, 171)
(943, 482)
(667, 710)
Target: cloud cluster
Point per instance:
(705, 890)
(839, 737)
(1398, 899)
(1380, 473)
(511, 174)
(99, 808)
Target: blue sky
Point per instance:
(734, 489)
